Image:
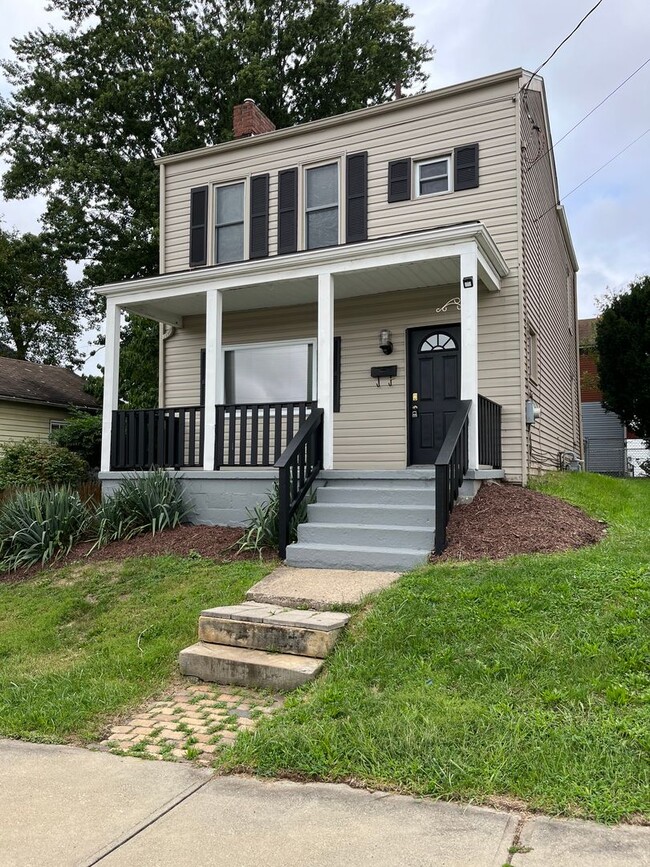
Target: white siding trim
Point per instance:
(326, 364)
(469, 348)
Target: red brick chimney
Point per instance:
(248, 119)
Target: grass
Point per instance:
(84, 643)
(527, 679)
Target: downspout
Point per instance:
(165, 332)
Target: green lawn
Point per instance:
(87, 642)
(526, 679)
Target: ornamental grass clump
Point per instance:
(39, 525)
(263, 528)
(149, 503)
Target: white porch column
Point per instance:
(469, 346)
(111, 379)
(326, 364)
(214, 381)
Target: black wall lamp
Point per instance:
(468, 282)
(385, 342)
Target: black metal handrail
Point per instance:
(489, 432)
(298, 466)
(165, 437)
(451, 466)
(256, 434)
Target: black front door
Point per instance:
(433, 388)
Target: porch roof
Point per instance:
(407, 261)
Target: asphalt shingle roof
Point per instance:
(42, 383)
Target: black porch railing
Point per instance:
(256, 434)
(451, 466)
(167, 437)
(489, 432)
(298, 467)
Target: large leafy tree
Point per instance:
(124, 81)
(40, 308)
(623, 349)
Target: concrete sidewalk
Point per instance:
(66, 806)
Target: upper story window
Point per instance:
(433, 176)
(229, 231)
(322, 206)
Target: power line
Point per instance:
(564, 41)
(593, 174)
(589, 113)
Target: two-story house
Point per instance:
(351, 301)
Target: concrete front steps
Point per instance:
(261, 645)
(368, 521)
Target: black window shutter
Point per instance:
(288, 211)
(399, 180)
(356, 191)
(466, 167)
(202, 386)
(259, 240)
(337, 374)
(198, 226)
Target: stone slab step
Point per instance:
(367, 535)
(312, 555)
(239, 666)
(273, 628)
(376, 515)
(395, 495)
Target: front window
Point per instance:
(432, 177)
(322, 206)
(270, 373)
(229, 233)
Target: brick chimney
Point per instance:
(248, 119)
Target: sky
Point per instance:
(609, 216)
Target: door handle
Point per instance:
(414, 411)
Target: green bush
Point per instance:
(30, 463)
(36, 526)
(263, 528)
(148, 503)
(82, 434)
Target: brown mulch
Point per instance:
(213, 543)
(504, 520)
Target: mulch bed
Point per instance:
(504, 520)
(213, 543)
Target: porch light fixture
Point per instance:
(385, 342)
(468, 282)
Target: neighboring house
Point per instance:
(37, 398)
(404, 268)
(603, 432)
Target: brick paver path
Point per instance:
(192, 724)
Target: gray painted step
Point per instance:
(240, 666)
(413, 475)
(397, 495)
(352, 482)
(302, 554)
(367, 535)
(384, 515)
(275, 628)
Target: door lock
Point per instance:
(414, 411)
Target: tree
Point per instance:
(623, 347)
(127, 80)
(40, 309)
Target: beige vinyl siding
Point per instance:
(370, 432)
(550, 301)
(486, 116)
(20, 421)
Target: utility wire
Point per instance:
(564, 41)
(593, 174)
(589, 113)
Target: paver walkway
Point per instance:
(191, 724)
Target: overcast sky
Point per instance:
(610, 215)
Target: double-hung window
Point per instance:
(278, 372)
(433, 176)
(229, 231)
(322, 206)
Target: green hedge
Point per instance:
(30, 463)
(82, 434)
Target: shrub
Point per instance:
(30, 463)
(148, 503)
(38, 525)
(82, 434)
(263, 529)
